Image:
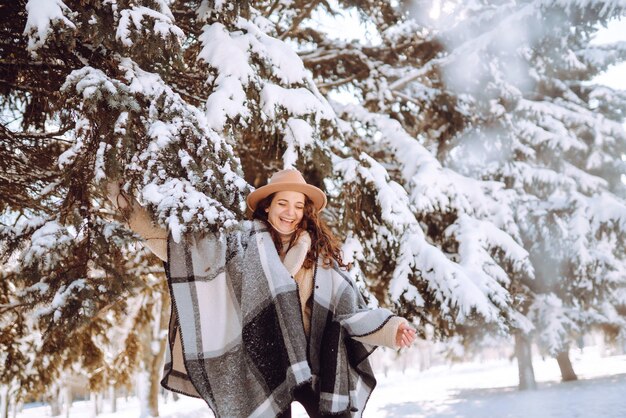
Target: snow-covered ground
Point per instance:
(461, 390)
(490, 390)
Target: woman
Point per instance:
(265, 314)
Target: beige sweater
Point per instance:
(155, 238)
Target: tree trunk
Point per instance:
(567, 371)
(524, 362)
(4, 401)
(143, 392)
(16, 406)
(113, 398)
(67, 400)
(95, 403)
(154, 341)
(155, 375)
(160, 342)
(54, 401)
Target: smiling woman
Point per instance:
(285, 211)
(266, 313)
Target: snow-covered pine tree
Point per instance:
(70, 104)
(189, 102)
(182, 116)
(443, 247)
(143, 103)
(575, 236)
(520, 74)
(431, 246)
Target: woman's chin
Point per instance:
(285, 229)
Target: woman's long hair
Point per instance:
(323, 242)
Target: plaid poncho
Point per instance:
(236, 337)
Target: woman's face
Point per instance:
(286, 211)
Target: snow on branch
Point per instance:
(476, 238)
(559, 116)
(295, 101)
(600, 57)
(607, 208)
(542, 179)
(391, 197)
(452, 285)
(43, 15)
(286, 64)
(213, 184)
(604, 8)
(587, 183)
(133, 21)
(171, 138)
(48, 241)
(298, 135)
(61, 298)
(97, 89)
(432, 187)
(258, 79)
(555, 323)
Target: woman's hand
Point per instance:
(115, 195)
(405, 335)
(113, 190)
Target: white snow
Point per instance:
(489, 389)
(452, 284)
(298, 135)
(468, 390)
(51, 236)
(284, 60)
(99, 165)
(132, 20)
(42, 15)
(554, 321)
(226, 52)
(297, 102)
(60, 299)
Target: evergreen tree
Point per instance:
(442, 180)
(540, 126)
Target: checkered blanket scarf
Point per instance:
(236, 337)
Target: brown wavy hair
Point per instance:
(323, 243)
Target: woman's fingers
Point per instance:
(405, 336)
(400, 337)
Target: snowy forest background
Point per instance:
(475, 170)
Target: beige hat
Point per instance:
(287, 180)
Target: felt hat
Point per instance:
(287, 180)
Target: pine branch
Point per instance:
(269, 12)
(27, 88)
(337, 82)
(12, 306)
(306, 11)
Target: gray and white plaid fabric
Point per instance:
(236, 337)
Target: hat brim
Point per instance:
(317, 196)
